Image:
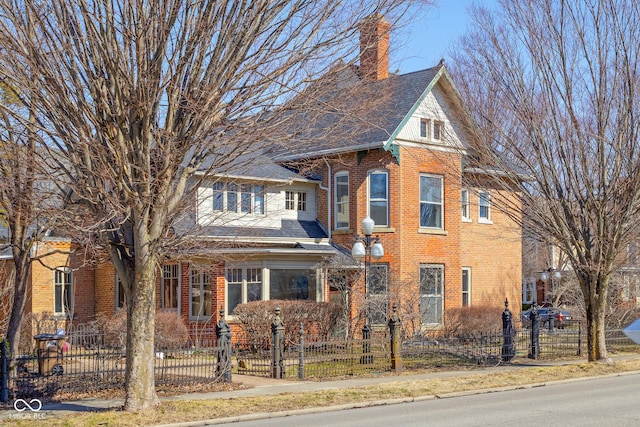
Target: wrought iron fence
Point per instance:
(310, 355)
(84, 360)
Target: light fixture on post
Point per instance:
(550, 274)
(366, 248)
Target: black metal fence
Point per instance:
(84, 360)
(307, 356)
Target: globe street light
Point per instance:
(367, 247)
(549, 275)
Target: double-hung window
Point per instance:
(170, 286)
(438, 128)
(464, 199)
(63, 291)
(484, 203)
(379, 197)
(425, 126)
(244, 284)
(431, 293)
(232, 197)
(243, 198)
(431, 211)
(342, 199)
(199, 293)
(218, 196)
(466, 286)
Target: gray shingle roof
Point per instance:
(291, 230)
(359, 118)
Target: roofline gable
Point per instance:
(389, 143)
(442, 72)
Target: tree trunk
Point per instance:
(22, 272)
(595, 303)
(140, 390)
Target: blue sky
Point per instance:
(428, 39)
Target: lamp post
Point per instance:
(549, 275)
(367, 247)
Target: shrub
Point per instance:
(473, 320)
(255, 318)
(170, 330)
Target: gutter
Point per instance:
(328, 190)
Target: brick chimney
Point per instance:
(374, 48)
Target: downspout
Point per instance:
(328, 190)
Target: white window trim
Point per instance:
(266, 279)
(528, 290)
(64, 271)
(468, 292)
(435, 123)
(369, 173)
(483, 220)
(439, 177)
(337, 203)
(238, 194)
(427, 125)
(201, 271)
(243, 292)
(441, 295)
(465, 201)
(299, 198)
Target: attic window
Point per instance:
(437, 131)
(424, 128)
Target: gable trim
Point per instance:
(389, 145)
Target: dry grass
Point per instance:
(181, 411)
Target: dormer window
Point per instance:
(295, 201)
(244, 198)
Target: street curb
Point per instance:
(383, 402)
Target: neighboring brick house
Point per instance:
(268, 232)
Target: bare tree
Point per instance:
(136, 98)
(27, 210)
(553, 86)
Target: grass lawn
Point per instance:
(405, 387)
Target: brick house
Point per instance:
(268, 232)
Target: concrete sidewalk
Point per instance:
(260, 386)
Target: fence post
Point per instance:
(508, 334)
(223, 335)
(301, 353)
(4, 389)
(277, 347)
(394, 331)
(534, 351)
(579, 337)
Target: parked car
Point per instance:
(560, 317)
